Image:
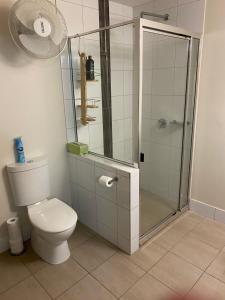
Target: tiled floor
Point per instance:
(188, 257)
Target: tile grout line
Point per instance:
(65, 291)
(14, 285)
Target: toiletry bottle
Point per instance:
(19, 150)
(90, 68)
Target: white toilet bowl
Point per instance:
(53, 223)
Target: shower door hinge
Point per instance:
(142, 157)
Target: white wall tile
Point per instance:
(202, 209)
(107, 213)
(70, 135)
(173, 13)
(134, 223)
(69, 114)
(72, 1)
(67, 91)
(72, 164)
(91, 19)
(128, 124)
(96, 135)
(116, 56)
(117, 108)
(181, 53)
(164, 4)
(108, 233)
(91, 3)
(115, 8)
(118, 130)
(87, 208)
(117, 83)
(124, 222)
(83, 133)
(148, 6)
(191, 16)
(123, 192)
(134, 188)
(165, 53)
(73, 14)
(75, 198)
(128, 83)
(219, 215)
(128, 106)
(105, 192)
(118, 150)
(86, 177)
(180, 81)
(163, 81)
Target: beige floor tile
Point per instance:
(56, 279)
(176, 273)
(147, 255)
(209, 288)
(189, 220)
(29, 289)
(148, 288)
(80, 235)
(93, 253)
(87, 288)
(118, 274)
(195, 251)
(169, 238)
(211, 233)
(12, 271)
(217, 268)
(32, 261)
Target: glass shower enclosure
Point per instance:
(153, 70)
(168, 70)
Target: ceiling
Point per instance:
(131, 2)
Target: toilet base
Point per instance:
(52, 254)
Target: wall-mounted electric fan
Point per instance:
(38, 27)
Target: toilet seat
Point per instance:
(52, 216)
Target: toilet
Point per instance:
(52, 220)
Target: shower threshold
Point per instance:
(155, 215)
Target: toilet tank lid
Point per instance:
(30, 164)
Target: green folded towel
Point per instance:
(77, 148)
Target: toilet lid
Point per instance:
(52, 216)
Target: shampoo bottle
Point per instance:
(19, 150)
(90, 68)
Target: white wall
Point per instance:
(208, 182)
(188, 14)
(31, 106)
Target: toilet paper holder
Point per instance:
(114, 179)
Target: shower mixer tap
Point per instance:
(162, 123)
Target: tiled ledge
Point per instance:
(207, 210)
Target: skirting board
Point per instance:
(207, 210)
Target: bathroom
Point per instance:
(125, 242)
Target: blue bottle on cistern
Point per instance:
(20, 157)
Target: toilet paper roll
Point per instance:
(106, 181)
(15, 235)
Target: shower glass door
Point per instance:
(165, 68)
